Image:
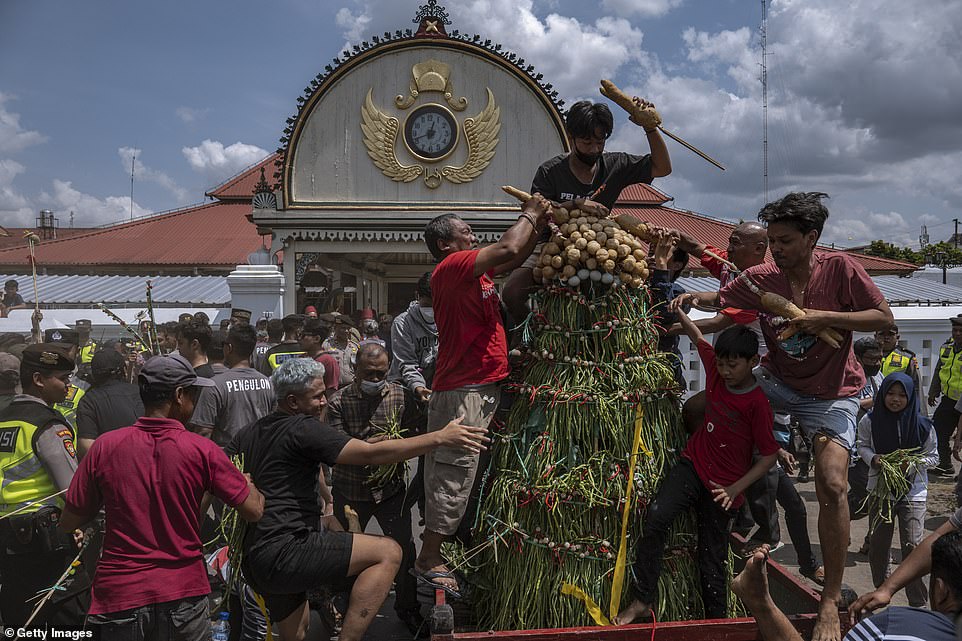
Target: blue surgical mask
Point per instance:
(372, 388)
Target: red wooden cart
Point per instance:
(795, 599)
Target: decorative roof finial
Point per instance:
(431, 19)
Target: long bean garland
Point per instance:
(560, 465)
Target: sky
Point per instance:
(865, 97)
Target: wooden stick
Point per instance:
(56, 586)
(32, 238)
(31, 504)
(730, 264)
(611, 91)
(514, 192)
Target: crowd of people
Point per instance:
(118, 463)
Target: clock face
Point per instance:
(431, 132)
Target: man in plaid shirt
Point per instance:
(365, 409)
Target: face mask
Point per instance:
(428, 314)
(588, 159)
(372, 388)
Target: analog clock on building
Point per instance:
(431, 132)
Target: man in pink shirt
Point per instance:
(801, 374)
(151, 582)
(472, 360)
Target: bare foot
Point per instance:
(751, 584)
(827, 626)
(634, 611)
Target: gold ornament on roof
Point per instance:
(428, 76)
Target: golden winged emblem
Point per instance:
(380, 137)
(381, 133)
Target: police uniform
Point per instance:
(78, 386)
(899, 360)
(37, 460)
(947, 381)
(88, 349)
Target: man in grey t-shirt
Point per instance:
(241, 395)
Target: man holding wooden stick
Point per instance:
(589, 178)
(803, 374)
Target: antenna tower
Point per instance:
(133, 157)
(764, 34)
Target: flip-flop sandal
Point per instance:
(427, 585)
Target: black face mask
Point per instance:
(588, 159)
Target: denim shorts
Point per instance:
(834, 418)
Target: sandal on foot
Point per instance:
(427, 584)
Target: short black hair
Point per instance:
(216, 349)
(275, 330)
(11, 283)
(585, 118)
(202, 317)
(292, 323)
(371, 350)
(803, 210)
(863, 345)
(196, 330)
(26, 375)
(157, 395)
(440, 228)
(242, 339)
(317, 327)
(737, 341)
(947, 561)
(423, 287)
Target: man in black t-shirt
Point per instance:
(287, 553)
(587, 178)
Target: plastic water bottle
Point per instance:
(220, 629)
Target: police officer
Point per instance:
(37, 462)
(87, 346)
(69, 339)
(947, 382)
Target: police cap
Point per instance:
(48, 357)
(956, 321)
(58, 335)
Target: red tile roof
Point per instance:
(642, 194)
(241, 186)
(210, 236)
(15, 235)
(715, 232)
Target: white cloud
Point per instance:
(15, 209)
(645, 8)
(218, 162)
(189, 115)
(13, 137)
(567, 51)
(88, 210)
(143, 172)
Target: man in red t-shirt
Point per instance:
(315, 332)
(715, 469)
(150, 478)
(804, 376)
(472, 359)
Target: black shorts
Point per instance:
(282, 571)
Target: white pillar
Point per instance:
(258, 288)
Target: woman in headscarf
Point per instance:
(896, 423)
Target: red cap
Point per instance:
(310, 309)
(367, 313)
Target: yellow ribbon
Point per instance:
(263, 607)
(592, 607)
(618, 579)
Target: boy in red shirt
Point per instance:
(714, 470)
